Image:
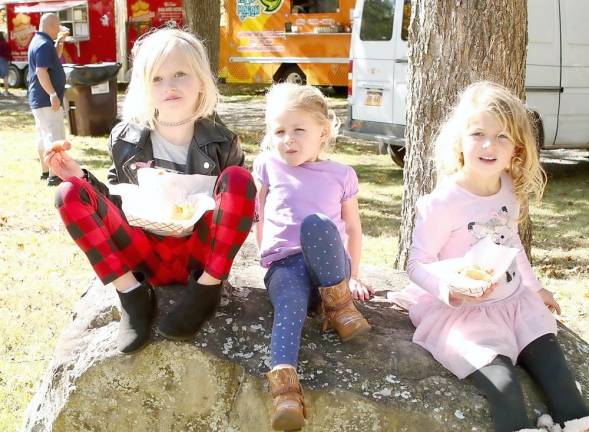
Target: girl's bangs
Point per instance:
(157, 57)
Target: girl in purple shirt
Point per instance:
(309, 235)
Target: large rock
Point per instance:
(216, 382)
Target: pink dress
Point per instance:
(463, 339)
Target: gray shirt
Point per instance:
(168, 156)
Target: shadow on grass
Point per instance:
(17, 120)
(93, 151)
(353, 148)
(564, 267)
(17, 103)
(568, 167)
(93, 157)
(564, 212)
(379, 175)
(379, 218)
(554, 233)
(94, 163)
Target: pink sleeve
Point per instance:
(432, 231)
(528, 278)
(351, 184)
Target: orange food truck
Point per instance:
(100, 30)
(304, 41)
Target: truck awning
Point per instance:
(50, 6)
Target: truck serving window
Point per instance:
(377, 20)
(76, 20)
(315, 6)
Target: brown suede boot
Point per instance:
(341, 313)
(289, 406)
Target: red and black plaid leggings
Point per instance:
(114, 248)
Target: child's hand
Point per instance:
(60, 163)
(549, 300)
(360, 291)
(457, 299)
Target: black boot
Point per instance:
(53, 180)
(137, 310)
(197, 304)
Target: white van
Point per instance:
(557, 72)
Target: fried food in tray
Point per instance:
(183, 211)
(477, 273)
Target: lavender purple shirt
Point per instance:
(296, 192)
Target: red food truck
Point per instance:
(100, 30)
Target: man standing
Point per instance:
(46, 87)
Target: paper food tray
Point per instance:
(175, 228)
(149, 204)
(485, 254)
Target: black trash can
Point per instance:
(91, 98)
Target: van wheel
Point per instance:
(14, 76)
(397, 155)
(293, 74)
(340, 90)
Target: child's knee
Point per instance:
(317, 223)
(236, 180)
(69, 192)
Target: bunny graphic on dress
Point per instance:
(500, 228)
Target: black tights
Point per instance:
(544, 361)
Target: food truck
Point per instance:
(303, 41)
(100, 30)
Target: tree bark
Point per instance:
(452, 44)
(203, 18)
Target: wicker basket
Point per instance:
(470, 291)
(161, 228)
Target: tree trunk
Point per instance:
(452, 44)
(203, 18)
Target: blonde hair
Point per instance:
(148, 54)
(484, 96)
(295, 97)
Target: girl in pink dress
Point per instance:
(488, 166)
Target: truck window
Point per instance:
(76, 20)
(406, 18)
(315, 6)
(377, 20)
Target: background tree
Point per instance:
(452, 44)
(203, 18)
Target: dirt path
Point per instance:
(247, 112)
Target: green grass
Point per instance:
(42, 273)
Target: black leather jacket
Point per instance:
(213, 148)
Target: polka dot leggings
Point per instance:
(292, 283)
